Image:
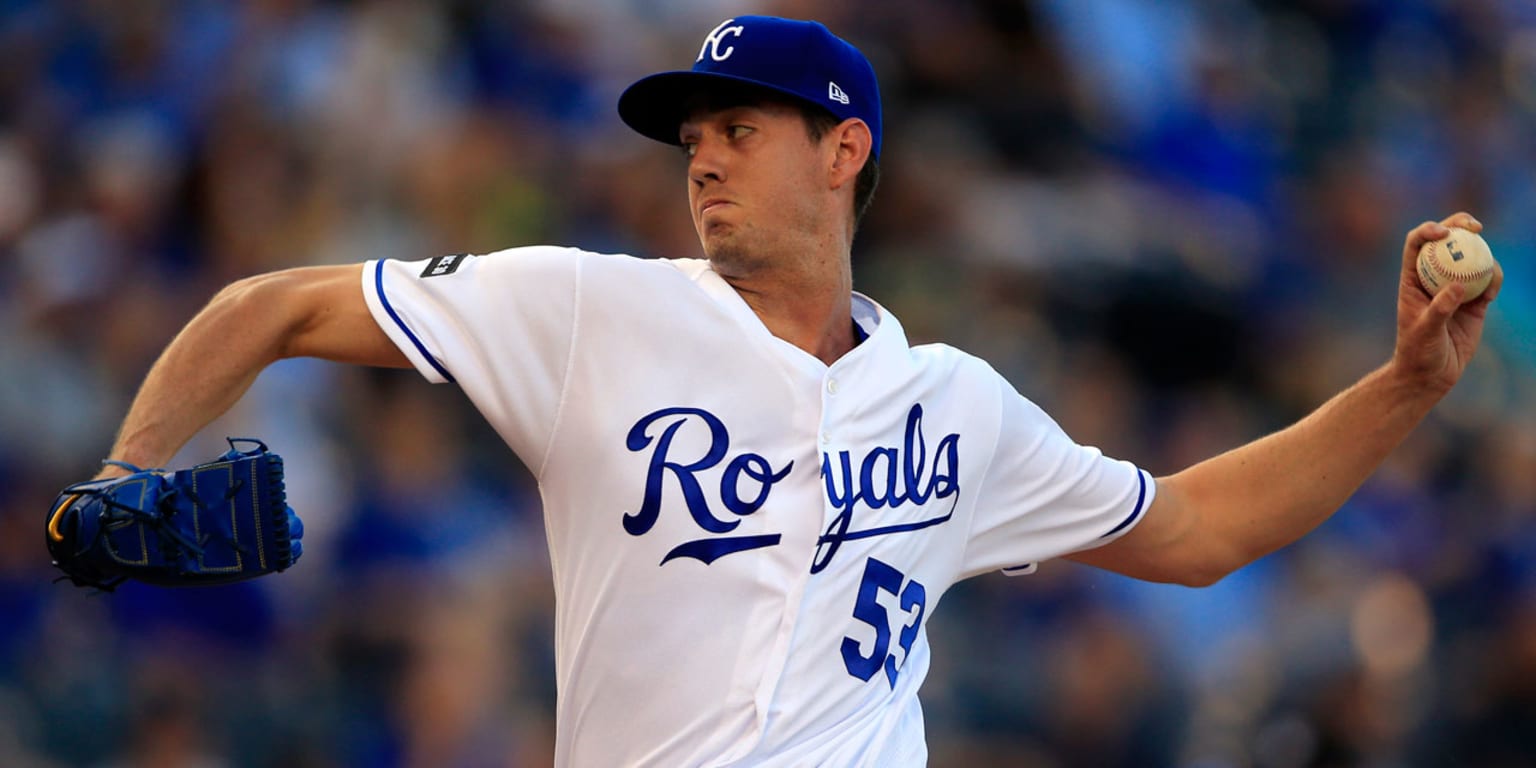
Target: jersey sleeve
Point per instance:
(1044, 495)
(501, 326)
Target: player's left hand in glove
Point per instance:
(222, 521)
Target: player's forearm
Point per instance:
(204, 370)
(1258, 498)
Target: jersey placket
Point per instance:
(809, 377)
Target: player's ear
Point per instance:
(853, 143)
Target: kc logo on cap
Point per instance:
(716, 36)
(799, 59)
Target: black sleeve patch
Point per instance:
(444, 265)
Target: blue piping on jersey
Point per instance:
(1141, 497)
(378, 279)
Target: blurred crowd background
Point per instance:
(1176, 224)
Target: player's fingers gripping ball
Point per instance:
(221, 521)
(1460, 257)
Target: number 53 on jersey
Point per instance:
(913, 599)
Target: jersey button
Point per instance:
(831, 386)
(826, 438)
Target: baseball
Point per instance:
(1461, 257)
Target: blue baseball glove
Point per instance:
(223, 521)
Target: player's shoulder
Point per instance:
(599, 263)
(954, 360)
(575, 253)
(551, 266)
(985, 389)
(924, 359)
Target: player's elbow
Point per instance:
(1176, 542)
(256, 294)
(1200, 547)
(1182, 572)
(1203, 576)
(1195, 561)
(1216, 556)
(1214, 561)
(264, 310)
(1181, 563)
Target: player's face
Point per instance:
(753, 174)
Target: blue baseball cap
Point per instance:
(801, 59)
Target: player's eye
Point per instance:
(738, 131)
(690, 148)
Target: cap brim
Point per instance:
(654, 106)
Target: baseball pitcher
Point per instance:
(756, 490)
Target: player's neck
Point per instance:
(812, 312)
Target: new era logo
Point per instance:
(836, 94)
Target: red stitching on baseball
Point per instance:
(1436, 265)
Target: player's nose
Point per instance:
(707, 163)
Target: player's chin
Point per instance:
(727, 253)
(717, 239)
(712, 224)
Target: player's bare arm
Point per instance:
(305, 312)
(1228, 511)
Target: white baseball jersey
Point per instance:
(747, 544)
